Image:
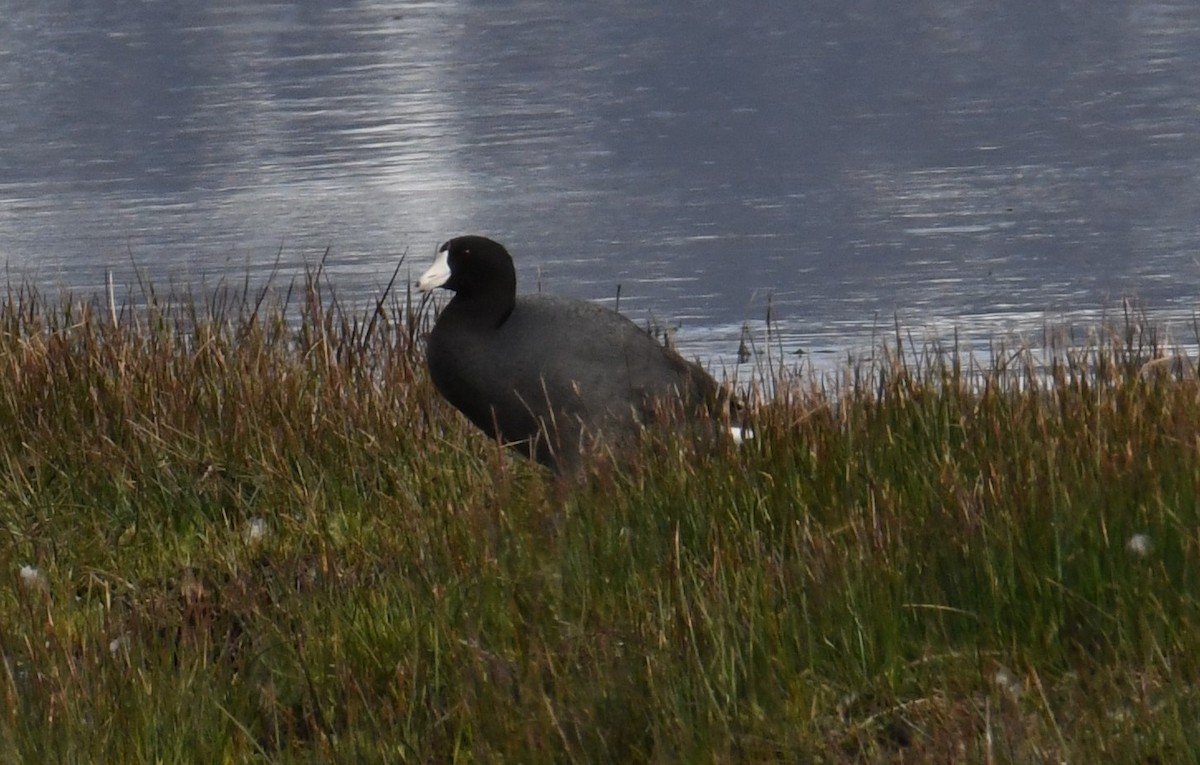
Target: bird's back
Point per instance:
(562, 370)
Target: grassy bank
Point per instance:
(231, 537)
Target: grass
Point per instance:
(244, 528)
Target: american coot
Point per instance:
(550, 376)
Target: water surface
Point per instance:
(953, 164)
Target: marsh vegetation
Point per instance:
(243, 527)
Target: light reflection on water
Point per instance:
(953, 166)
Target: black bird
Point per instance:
(551, 377)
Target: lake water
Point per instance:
(965, 165)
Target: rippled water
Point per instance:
(955, 164)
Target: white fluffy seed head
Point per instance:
(32, 578)
(256, 530)
(1139, 545)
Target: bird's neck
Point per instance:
(484, 310)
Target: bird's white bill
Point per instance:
(438, 274)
